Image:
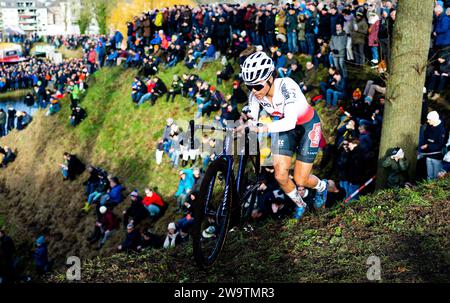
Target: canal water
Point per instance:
(19, 105)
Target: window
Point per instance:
(11, 53)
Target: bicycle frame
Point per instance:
(228, 155)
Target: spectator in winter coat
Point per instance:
(55, 106)
(296, 73)
(310, 78)
(150, 86)
(268, 29)
(136, 212)
(104, 227)
(348, 26)
(301, 34)
(335, 19)
(324, 26)
(153, 202)
(227, 71)
(310, 26)
(118, 38)
(198, 178)
(23, 119)
(132, 240)
(209, 55)
(101, 189)
(159, 90)
(439, 78)
(172, 237)
(11, 119)
(338, 46)
(289, 60)
(397, 167)
(280, 21)
(441, 28)
(291, 24)
(346, 132)
(356, 168)
(72, 166)
(92, 182)
(238, 96)
(114, 195)
(7, 256)
(8, 156)
(324, 86)
(77, 116)
(435, 137)
(280, 63)
(150, 240)
(3, 118)
(40, 256)
(359, 38)
(185, 186)
(365, 141)
(177, 86)
(222, 35)
(336, 91)
(374, 22)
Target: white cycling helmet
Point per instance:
(256, 68)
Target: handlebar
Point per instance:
(193, 127)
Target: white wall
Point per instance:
(10, 17)
(42, 20)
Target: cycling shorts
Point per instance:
(303, 140)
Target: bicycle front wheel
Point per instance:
(212, 213)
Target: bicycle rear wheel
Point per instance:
(212, 213)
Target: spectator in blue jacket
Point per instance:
(114, 196)
(185, 185)
(118, 38)
(40, 256)
(441, 28)
(209, 55)
(101, 51)
(112, 57)
(280, 63)
(336, 91)
(365, 140)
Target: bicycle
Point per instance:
(225, 198)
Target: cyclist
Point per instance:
(296, 127)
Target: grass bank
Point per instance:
(407, 229)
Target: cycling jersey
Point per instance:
(289, 105)
(298, 129)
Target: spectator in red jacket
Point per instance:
(92, 60)
(152, 202)
(104, 227)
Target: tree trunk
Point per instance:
(401, 120)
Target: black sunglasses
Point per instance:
(256, 87)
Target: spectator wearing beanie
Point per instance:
(435, 137)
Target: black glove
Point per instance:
(335, 51)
